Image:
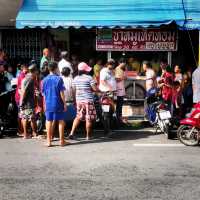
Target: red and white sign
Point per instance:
(136, 40)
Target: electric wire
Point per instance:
(185, 28)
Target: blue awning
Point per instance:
(108, 13)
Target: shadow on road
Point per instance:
(116, 136)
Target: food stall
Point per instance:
(137, 45)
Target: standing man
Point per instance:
(150, 76)
(97, 68)
(120, 77)
(84, 85)
(64, 63)
(107, 78)
(27, 101)
(45, 57)
(54, 100)
(196, 85)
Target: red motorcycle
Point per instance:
(108, 108)
(189, 131)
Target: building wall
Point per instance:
(8, 12)
(0, 39)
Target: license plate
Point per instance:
(165, 115)
(105, 108)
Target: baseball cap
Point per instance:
(84, 67)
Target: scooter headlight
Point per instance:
(197, 116)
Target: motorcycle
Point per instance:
(108, 109)
(189, 131)
(158, 113)
(105, 109)
(8, 113)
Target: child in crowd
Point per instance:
(70, 114)
(67, 79)
(177, 74)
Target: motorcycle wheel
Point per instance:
(1, 131)
(40, 124)
(188, 135)
(106, 123)
(163, 126)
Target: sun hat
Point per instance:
(84, 67)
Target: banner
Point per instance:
(136, 40)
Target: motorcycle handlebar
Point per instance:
(6, 92)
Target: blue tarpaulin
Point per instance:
(108, 13)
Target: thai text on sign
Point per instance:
(136, 40)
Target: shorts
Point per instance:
(27, 114)
(86, 111)
(54, 116)
(19, 112)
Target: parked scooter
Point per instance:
(189, 131)
(104, 104)
(108, 109)
(8, 113)
(158, 113)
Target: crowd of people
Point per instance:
(178, 90)
(52, 86)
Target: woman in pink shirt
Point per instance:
(20, 78)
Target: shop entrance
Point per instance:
(135, 59)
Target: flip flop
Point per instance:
(48, 145)
(62, 144)
(26, 138)
(20, 135)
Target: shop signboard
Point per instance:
(136, 40)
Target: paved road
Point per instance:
(119, 169)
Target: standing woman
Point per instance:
(84, 85)
(177, 74)
(166, 85)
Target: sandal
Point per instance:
(20, 134)
(48, 145)
(35, 137)
(64, 143)
(26, 138)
